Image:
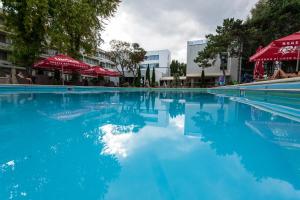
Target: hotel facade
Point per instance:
(212, 73)
(159, 60)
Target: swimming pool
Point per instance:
(146, 145)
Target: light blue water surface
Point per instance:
(145, 145)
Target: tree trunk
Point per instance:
(240, 62)
(224, 74)
(203, 78)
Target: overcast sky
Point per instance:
(169, 24)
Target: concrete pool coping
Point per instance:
(289, 85)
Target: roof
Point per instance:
(207, 74)
(197, 42)
(171, 78)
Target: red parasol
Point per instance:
(61, 62)
(259, 70)
(100, 71)
(291, 40)
(95, 71)
(286, 48)
(113, 73)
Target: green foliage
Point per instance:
(203, 79)
(148, 74)
(138, 78)
(136, 55)
(178, 68)
(76, 25)
(127, 56)
(119, 54)
(176, 80)
(269, 20)
(63, 25)
(273, 19)
(153, 82)
(27, 20)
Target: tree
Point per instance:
(27, 20)
(148, 74)
(139, 77)
(120, 55)
(203, 61)
(153, 79)
(76, 25)
(127, 56)
(178, 68)
(269, 20)
(273, 19)
(230, 38)
(63, 25)
(137, 55)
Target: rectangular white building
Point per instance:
(160, 60)
(213, 72)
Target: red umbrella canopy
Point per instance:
(113, 73)
(285, 48)
(291, 40)
(259, 70)
(61, 62)
(95, 71)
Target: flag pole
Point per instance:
(62, 75)
(297, 68)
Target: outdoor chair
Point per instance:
(23, 80)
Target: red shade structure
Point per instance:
(61, 62)
(275, 53)
(97, 71)
(286, 48)
(113, 73)
(259, 70)
(291, 40)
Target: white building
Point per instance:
(159, 59)
(213, 72)
(101, 58)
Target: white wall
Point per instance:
(193, 47)
(163, 62)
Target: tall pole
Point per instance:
(62, 75)
(297, 68)
(240, 62)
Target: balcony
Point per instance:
(5, 46)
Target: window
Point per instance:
(3, 55)
(224, 61)
(151, 57)
(152, 65)
(2, 38)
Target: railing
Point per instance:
(5, 45)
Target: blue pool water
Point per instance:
(145, 145)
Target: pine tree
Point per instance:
(148, 74)
(138, 78)
(153, 78)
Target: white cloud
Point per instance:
(169, 24)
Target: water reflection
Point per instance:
(112, 145)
